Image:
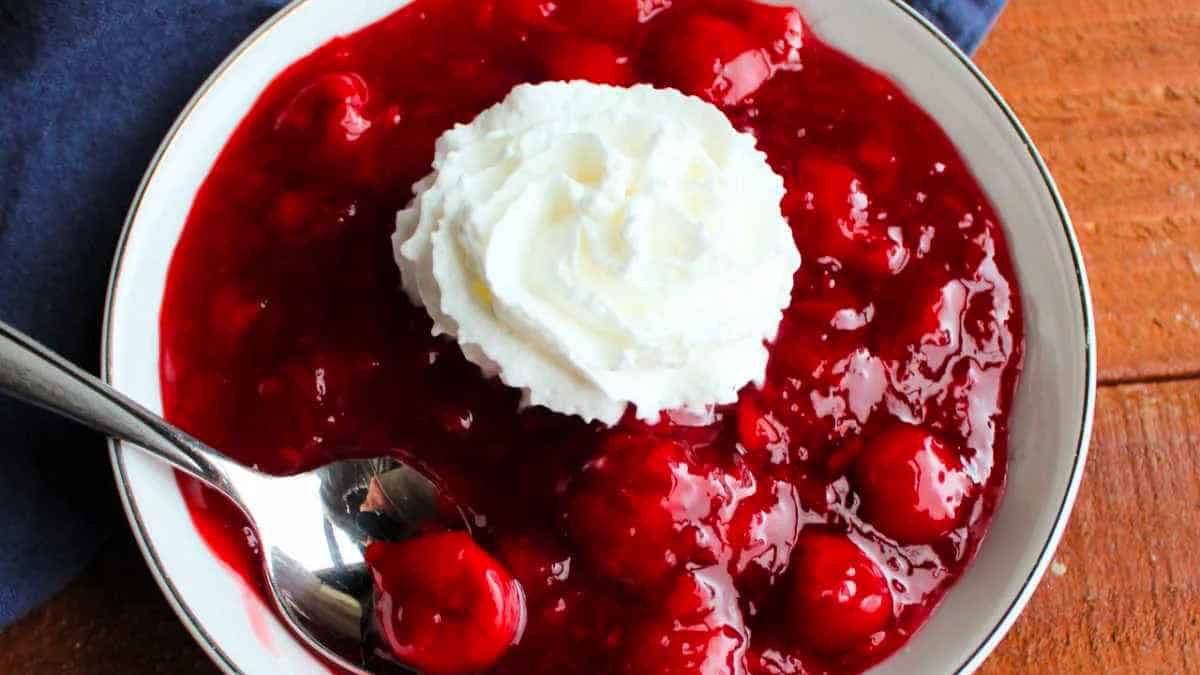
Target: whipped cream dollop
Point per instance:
(599, 246)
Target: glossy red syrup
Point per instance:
(812, 527)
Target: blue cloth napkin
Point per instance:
(87, 91)
(964, 21)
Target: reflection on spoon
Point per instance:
(313, 526)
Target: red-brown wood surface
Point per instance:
(1110, 91)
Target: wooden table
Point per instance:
(1110, 91)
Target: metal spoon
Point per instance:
(309, 525)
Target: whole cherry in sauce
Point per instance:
(810, 527)
(913, 487)
(643, 509)
(698, 629)
(443, 604)
(839, 597)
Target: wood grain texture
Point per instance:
(1124, 593)
(1110, 92)
(112, 620)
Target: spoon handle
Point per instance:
(31, 372)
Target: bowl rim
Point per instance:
(970, 664)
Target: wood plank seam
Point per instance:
(1148, 379)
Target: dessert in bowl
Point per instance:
(781, 468)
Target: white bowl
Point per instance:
(1051, 420)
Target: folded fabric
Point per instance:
(964, 21)
(87, 91)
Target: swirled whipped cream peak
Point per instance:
(599, 247)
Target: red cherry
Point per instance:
(699, 629)
(764, 531)
(709, 57)
(330, 108)
(839, 598)
(819, 193)
(758, 430)
(779, 29)
(578, 58)
(930, 329)
(806, 348)
(912, 486)
(837, 203)
(637, 512)
(832, 308)
(823, 186)
(442, 604)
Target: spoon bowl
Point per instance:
(312, 527)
